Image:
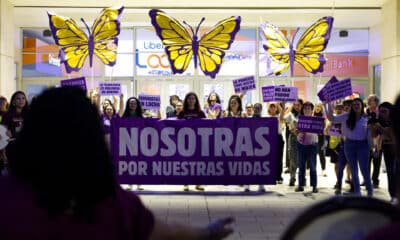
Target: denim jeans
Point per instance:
(357, 154)
(342, 161)
(304, 153)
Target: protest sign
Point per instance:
(149, 101)
(279, 94)
(80, 82)
(311, 124)
(110, 88)
(244, 84)
(322, 93)
(196, 151)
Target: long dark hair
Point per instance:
(138, 111)
(390, 107)
(196, 105)
(61, 153)
(296, 113)
(237, 98)
(13, 109)
(217, 99)
(352, 119)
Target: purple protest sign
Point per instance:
(311, 124)
(339, 90)
(196, 151)
(335, 130)
(285, 94)
(79, 82)
(279, 94)
(150, 101)
(244, 84)
(322, 93)
(110, 88)
(268, 93)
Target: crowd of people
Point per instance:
(61, 174)
(364, 138)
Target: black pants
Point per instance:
(391, 167)
(279, 164)
(321, 151)
(287, 160)
(376, 163)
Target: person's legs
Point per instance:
(321, 152)
(279, 164)
(390, 162)
(302, 158)
(312, 155)
(293, 158)
(376, 163)
(351, 155)
(362, 157)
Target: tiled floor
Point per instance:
(258, 215)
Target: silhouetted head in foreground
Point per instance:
(62, 154)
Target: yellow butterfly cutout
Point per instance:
(181, 46)
(308, 52)
(75, 45)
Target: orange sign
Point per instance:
(339, 65)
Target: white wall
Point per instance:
(7, 66)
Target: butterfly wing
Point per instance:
(105, 31)
(212, 44)
(73, 42)
(311, 44)
(277, 46)
(175, 38)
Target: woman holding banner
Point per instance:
(235, 108)
(356, 148)
(191, 109)
(133, 109)
(213, 108)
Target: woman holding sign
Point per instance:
(307, 150)
(355, 129)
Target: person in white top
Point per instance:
(307, 150)
(356, 148)
(290, 117)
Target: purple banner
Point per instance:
(279, 94)
(322, 93)
(244, 84)
(150, 101)
(311, 124)
(110, 88)
(196, 151)
(79, 82)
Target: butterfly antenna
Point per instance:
(87, 27)
(190, 27)
(198, 26)
(294, 35)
